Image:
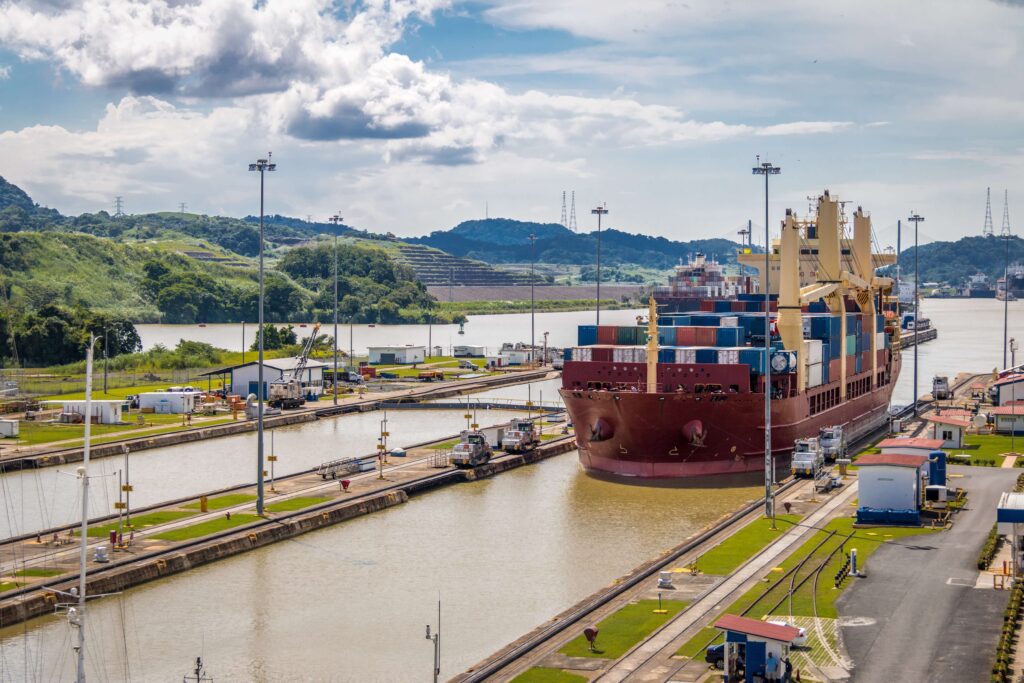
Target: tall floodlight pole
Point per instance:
(767, 169)
(915, 219)
(83, 472)
(899, 246)
(336, 219)
(263, 166)
(600, 211)
(533, 260)
(1006, 297)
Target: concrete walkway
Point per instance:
(921, 614)
(662, 645)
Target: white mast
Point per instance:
(83, 472)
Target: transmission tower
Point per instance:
(1005, 232)
(572, 213)
(118, 206)
(987, 231)
(181, 207)
(565, 219)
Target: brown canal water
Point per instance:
(350, 603)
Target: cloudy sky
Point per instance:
(413, 115)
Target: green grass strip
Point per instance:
(624, 629)
(293, 504)
(140, 522)
(539, 674)
(725, 557)
(225, 501)
(206, 528)
(444, 445)
(38, 572)
(9, 585)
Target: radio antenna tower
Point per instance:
(1005, 232)
(565, 219)
(986, 231)
(118, 206)
(572, 213)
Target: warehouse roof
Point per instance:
(949, 420)
(1015, 409)
(892, 459)
(275, 363)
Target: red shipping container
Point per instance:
(607, 334)
(686, 336)
(601, 354)
(881, 357)
(833, 370)
(706, 336)
(739, 306)
(707, 306)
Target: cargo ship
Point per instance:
(681, 399)
(699, 279)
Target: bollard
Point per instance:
(344, 485)
(204, 504)
(113, 538)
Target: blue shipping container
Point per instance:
(567, 354)
(666, 336)
(704, 355)
(728, 336)
(754, 358)
(586, 335)
(667, 355)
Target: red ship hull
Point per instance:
(661, 437)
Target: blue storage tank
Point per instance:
(706, 355)
(586, 335)
(937, 468)
(728, 336)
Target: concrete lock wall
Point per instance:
(885, 487)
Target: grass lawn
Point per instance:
(548, 437)
(725, 557)
(225, 501)
(296, 503)
(865, 540)
(205, 528)
(35, 433)
(140, 522)
(987, 448)
(8, 585)
(444, 445)
(38, 572)
(624, 629)
(97, 391)
(540, 674)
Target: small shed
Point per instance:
(950, 429)
(397, 355)
(754, 640)
(1009, 419)
(244, 378)
(170, 402)
(103, 412)
(908, 446)
(515, 356)
(891, 488)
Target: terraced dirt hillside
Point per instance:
(433, 267)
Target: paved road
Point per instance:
(929, 621)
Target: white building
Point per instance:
(515, 357)
(243, 380)
(468, 351)
(169, 402)
(950, 429)
(1008, 389)
(908, 446)
(103, 412)
(891, 482)
(1009, 419)
(397, 355)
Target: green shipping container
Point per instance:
(626, 336)
(851, 344)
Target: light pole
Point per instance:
(767, 169)
(436, 638)
(600, 211)
(1006, 302)
(243, 342)
(915, 219)
(106, 356)
(262, 166)
(544, 358)
(336, 219)
(533, 259)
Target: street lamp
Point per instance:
(600, 211)
(915, 219)
(533, 259)
(262, 166)
(336, 219)
(1006, 301)
(766, 169)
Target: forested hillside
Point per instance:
(954, 262)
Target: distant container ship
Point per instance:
(683, 396)
(700, 279)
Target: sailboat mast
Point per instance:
(84, 473)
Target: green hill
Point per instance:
(954, 262)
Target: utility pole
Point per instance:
(915, 219)
(533, 259)
(1005, 234)
(336, 219)
(83, 472)
(767, 169)
(600, 211)
(106, 358)
(436, 638)
(262, 166)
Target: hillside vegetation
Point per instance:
(954, 262)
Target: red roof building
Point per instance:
(910, 444)
(757, 628)
(892, 459)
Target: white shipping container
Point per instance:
(812, 351)
(582, 353)
(686, 355)
(728, 356)
(730, 321)
(814, 375)
(879, 341)
(629, 354)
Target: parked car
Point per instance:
(715, 656)
(467, 365)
